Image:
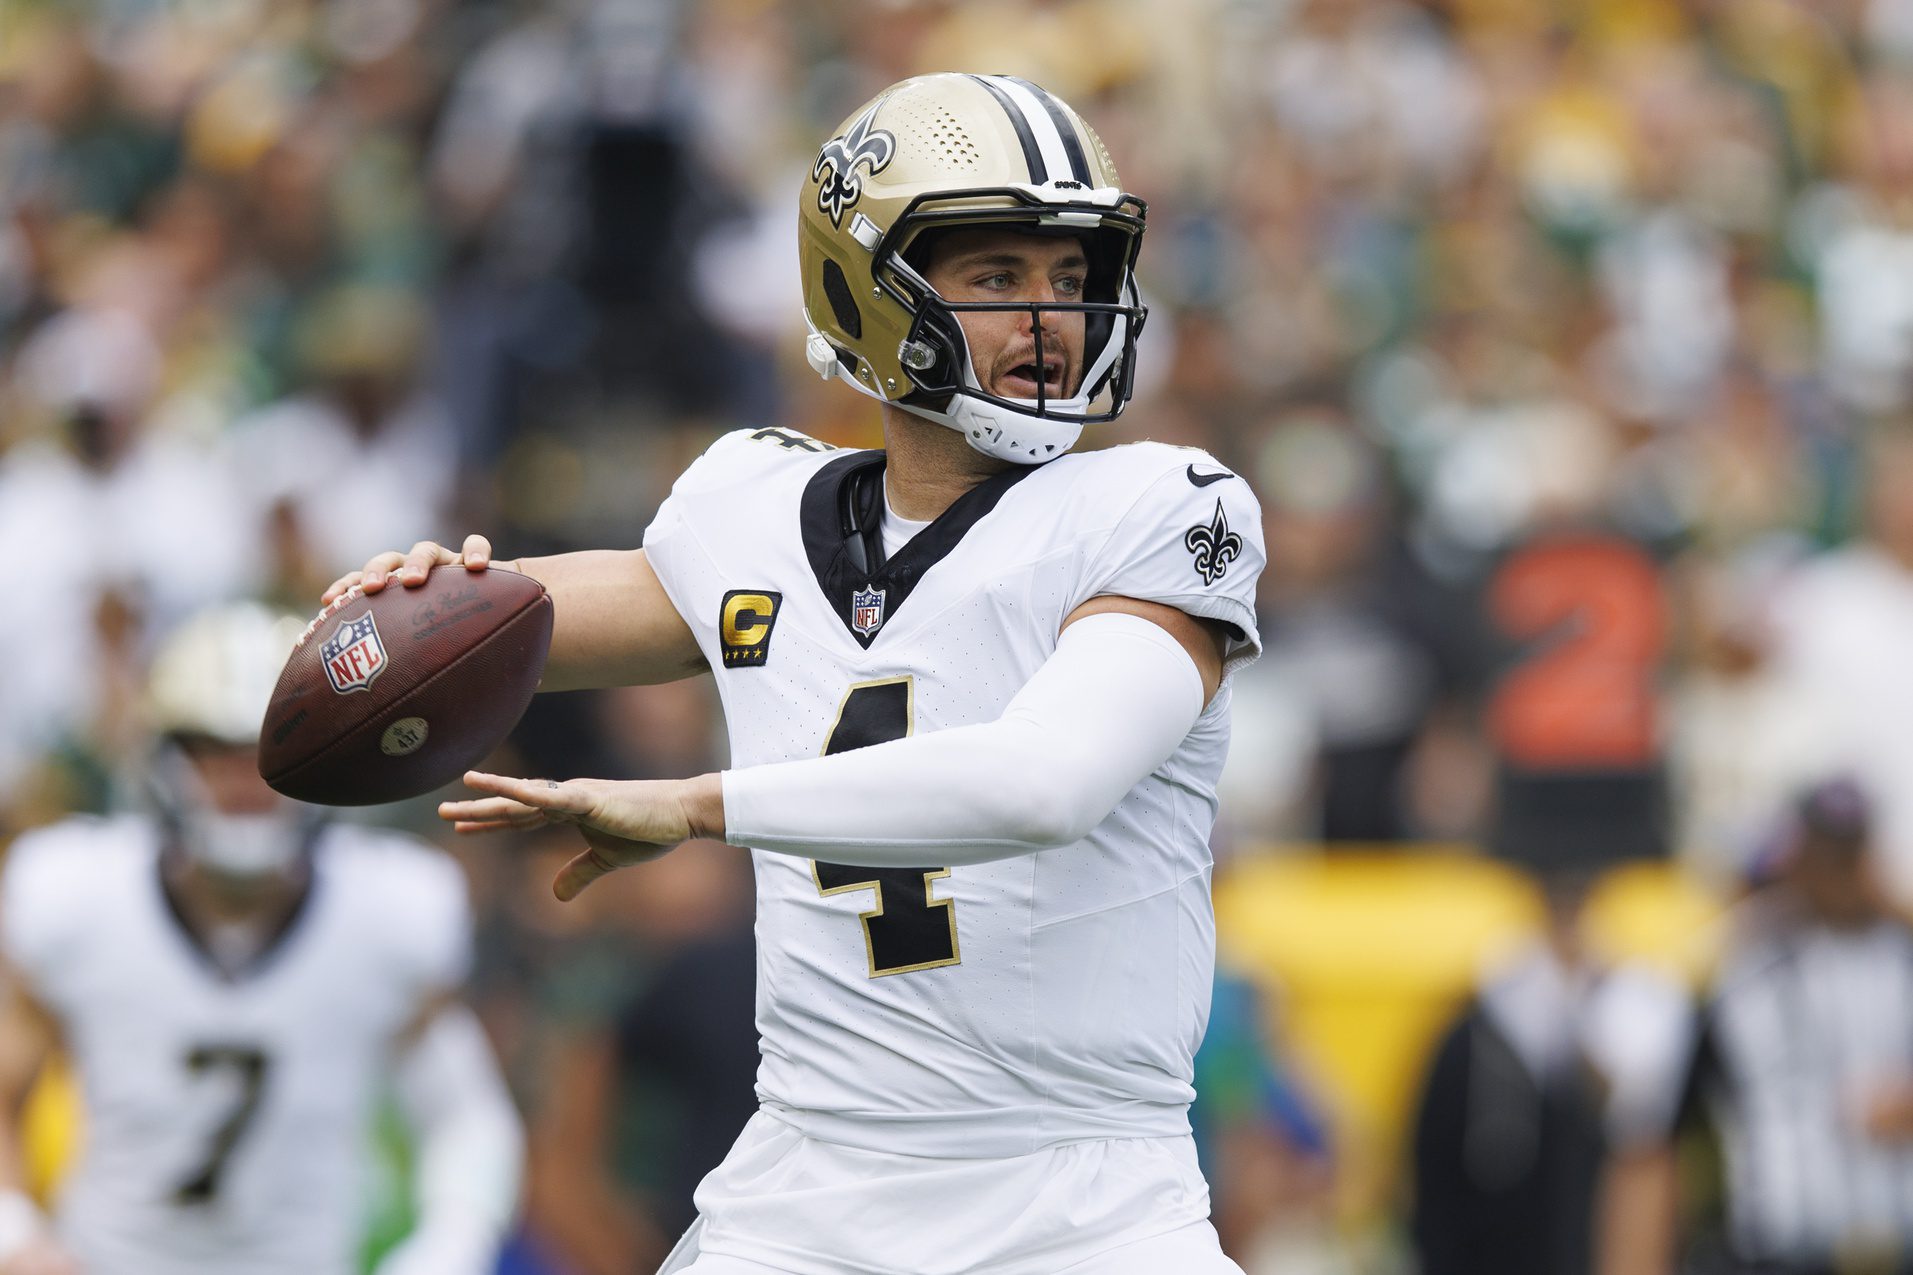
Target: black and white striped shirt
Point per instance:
(1805, 1027)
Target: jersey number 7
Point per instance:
(202, 1186)
(908, 929)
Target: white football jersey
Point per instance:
(227, 1118)
(994, 1009)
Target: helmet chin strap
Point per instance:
(1018, 430)
(1004, 433)
(1021, 430)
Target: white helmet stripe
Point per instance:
(1066, 129)
(1032, 153)
(1036, 118)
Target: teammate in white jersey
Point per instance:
(234, 981)
(977, 696)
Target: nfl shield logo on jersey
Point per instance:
(353, 655)
(866, 610)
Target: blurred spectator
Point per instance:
(1551, 1064)
(1360, 647)
(1262, 1142)
(548, 983)
(1803, 1068)
(686, 1048)
(363, 457)
(636, 1046)
(127, 508)
(1860, 237)
(1839, 634)
(1739, 736)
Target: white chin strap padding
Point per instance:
(1004, 433)
(1009, 431)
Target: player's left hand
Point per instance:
(623, 822)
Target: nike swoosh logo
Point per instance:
(1203, 480)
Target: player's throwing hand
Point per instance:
(623, 822)
(411, 568)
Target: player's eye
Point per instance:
(1069, 285)
(999, 281)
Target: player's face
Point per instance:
(1002, 265)
(231, 779)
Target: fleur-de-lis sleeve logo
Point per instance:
(839, 184)
(1215, 546)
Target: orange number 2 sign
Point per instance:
(1590, 612)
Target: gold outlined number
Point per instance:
(908, 929)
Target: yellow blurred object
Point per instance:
(51, 1128)
(1659, 915)
(239, 119)
(1370, 953)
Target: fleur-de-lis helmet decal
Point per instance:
(1214, 545)
(839, 185)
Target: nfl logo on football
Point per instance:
(353, 655)
(866, 611)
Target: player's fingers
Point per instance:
(581, 872)
(425, 555)
(477, 553)
(486, 808)
(499, 810)
(373, 574)
(339, 587)
(515, 824)
(545, 794)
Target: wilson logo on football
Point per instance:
(354, 656)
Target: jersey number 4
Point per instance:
(908, 929)
(249, 1067)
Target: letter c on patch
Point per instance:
(744, 626)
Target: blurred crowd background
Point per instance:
(1568, 344)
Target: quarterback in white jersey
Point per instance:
(993, 1008)
(234, 984)
(976, 689)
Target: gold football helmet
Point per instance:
(207, 689)
(951, 150)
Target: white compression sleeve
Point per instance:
(470, 1152)
(1112, 702)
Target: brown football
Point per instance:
(390, 695)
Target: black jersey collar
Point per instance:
(842, 520)
(201, 943)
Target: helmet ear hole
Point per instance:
(842, 304)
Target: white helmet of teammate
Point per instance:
(952, 151)
(207, 691)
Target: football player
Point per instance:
(976, 689)
(234, 982)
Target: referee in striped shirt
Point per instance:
(1803, 1060)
